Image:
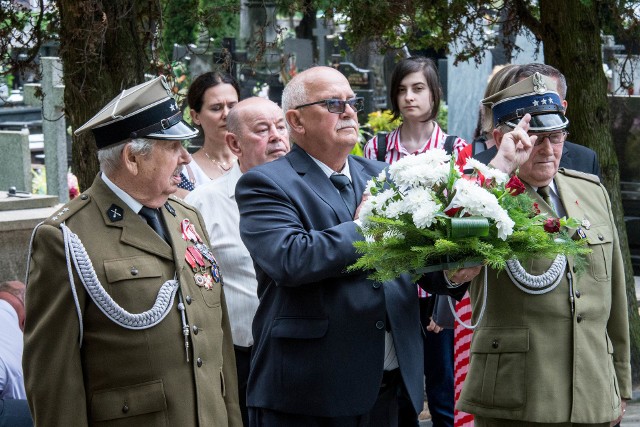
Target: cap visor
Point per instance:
(545, 122)
(180, 130)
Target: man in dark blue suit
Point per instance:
(574, 156)
(331, 348)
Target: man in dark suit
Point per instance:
(331, 348)
(574, 156)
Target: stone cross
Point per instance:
(54, 128)
(320, 32)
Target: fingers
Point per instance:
(365, 196)
(524, 122)
(434, 327)
(464, 275)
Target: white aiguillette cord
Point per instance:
(75, 251)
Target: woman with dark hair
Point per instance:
(415, 96)
(210, 97)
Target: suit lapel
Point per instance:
(315, 179)
(134, 230)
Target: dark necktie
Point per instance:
(343, 184)
(544, 192)
(151, 216)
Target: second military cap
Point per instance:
(535, 95)
(147, 110)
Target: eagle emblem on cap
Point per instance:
(538, 84)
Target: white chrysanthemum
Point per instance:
(422, 206)
(374, 206)
(427, 169)
(475, 200)
(394, 209)
(487, 171)
(382, 175)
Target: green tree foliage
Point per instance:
(180, 20)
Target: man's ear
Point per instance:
(497, 137)
(233, 143)
(564, 105)
(295, 121)
(129, 160)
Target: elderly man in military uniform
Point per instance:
(552, 348)
(126, 319)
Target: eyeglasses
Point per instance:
(554, 138)
(338, 106)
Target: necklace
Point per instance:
(221, 165)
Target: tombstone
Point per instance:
(16, 165)
(54, 128)
(320, 33)
(465, 85)
(19, 214)
(362, 82)
(303, 51)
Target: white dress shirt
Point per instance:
(11, 378)
(216, 202)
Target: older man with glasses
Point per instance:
(552, 348)
(331, 348)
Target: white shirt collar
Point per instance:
(328, 171)
(126, 198)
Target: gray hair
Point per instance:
(234, 123)
(109, 157)
(294, 94)
(528, 70)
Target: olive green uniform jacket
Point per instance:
(118, 376)
(532, 358)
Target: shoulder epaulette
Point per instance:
(68, 210)
(582, 175)
(179, 201)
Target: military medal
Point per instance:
(189, 232)
(200, 250)
(581, 233)
(202, 277)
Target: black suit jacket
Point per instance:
(574, 156)
(319, 332)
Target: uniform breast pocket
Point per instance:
(498, 366)
(140, 404)
(132, 268)
(600, 240)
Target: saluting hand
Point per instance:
(514, 147)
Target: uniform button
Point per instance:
(600, 236)
(376, 285)
(380, 324)
(85, 197)
(495, 344)
(579, 318)
(134, 271)
(188, 299)
(125, 409)
(195, 330)
(578, 294)
(199, 362)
